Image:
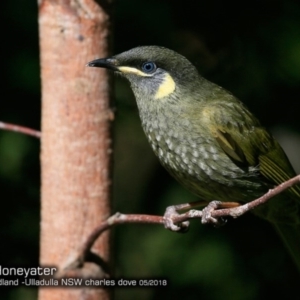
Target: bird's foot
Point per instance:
(170, 214)
(207, 217)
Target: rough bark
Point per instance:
(76, 142)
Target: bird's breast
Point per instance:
(191, 154)
(181, 151)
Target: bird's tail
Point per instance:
(290, 234)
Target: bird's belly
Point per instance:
(202, 167)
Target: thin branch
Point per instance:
(240, 210)
(21, 129)
(76, 266)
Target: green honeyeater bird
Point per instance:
(206, 138)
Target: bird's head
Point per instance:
(154, 72)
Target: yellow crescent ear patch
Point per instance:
(166, 88)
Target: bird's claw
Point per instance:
(169, 216)
(207, 218)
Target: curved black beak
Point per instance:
(107, 63)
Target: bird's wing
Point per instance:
(245, 141)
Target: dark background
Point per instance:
(251, 48)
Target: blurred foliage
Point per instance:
(252, 48)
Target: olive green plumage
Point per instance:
(205, 137)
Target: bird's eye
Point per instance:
(149, 67)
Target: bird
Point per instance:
(207, 139)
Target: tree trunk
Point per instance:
(76, 141)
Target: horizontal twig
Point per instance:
(76, 265)
(21, 129)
